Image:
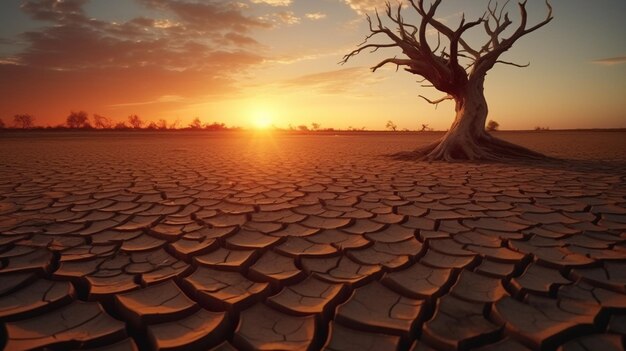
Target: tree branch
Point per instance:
(363, 47)
(395, 61)
(513, 64)
(436, 102)
(496, 47)
(442, 28)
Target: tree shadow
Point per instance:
(616, 167)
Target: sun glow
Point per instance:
(262, 119)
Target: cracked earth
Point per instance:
(116, 241)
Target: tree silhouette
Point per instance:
(2, 124)
(175, 124)
(196, 124)
(315, 126)
(162, 124)
(459, 70)
(303, 128)
(135, 121)
(102, 122)
(120, 125)
(391, 126)
(492, 126)
(78, 119)
(425, 128)
(24, 121)
(215, 126)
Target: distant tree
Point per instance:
(215, 126)
(290, 127)
(315, 126)
(175, 124)
(303, 128)
(101, 122)
(492, 126)
(78, 119)
(120, 125)
(135, 121)
(196, 123)
(152, 125)
(162, 124)
(1, 124)
(23, 121)
(425, 128)
(391, 126)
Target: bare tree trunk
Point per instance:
(467, 138)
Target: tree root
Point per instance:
(483, 148)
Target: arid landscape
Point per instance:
(270, 241)
(191, 175)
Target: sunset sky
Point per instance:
(239, 62)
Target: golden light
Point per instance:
(262, 119)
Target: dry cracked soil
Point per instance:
(125, 241)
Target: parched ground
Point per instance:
(302, 242)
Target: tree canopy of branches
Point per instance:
(215, 126)
(135, 121)
(391, 126)
(120, 125)
(196, 123)
(492, 126)
(102, 122)
(78, 119)
(162, 124)
(457, 69)
(23, 121)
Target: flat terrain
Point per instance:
(295, 242)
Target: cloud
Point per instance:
(315, 16)
(610, 61)
(332, 82)
(160, 100)
(282, 17)
(273, 2)
(184, 48)
(365, 6)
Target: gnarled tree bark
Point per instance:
(466, 139)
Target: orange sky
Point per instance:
(261, 61)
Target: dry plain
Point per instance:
(314, 241)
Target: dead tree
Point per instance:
(391, 126)
(101, 122)
(23, 121)
(456, 69)
(78, 119)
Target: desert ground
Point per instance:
(261, 241)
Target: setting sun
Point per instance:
(262, 119)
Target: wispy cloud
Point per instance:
(365, 6)
(610, 61)
(332, 82)
(273, 2)
(160, 100)
(315, 16)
